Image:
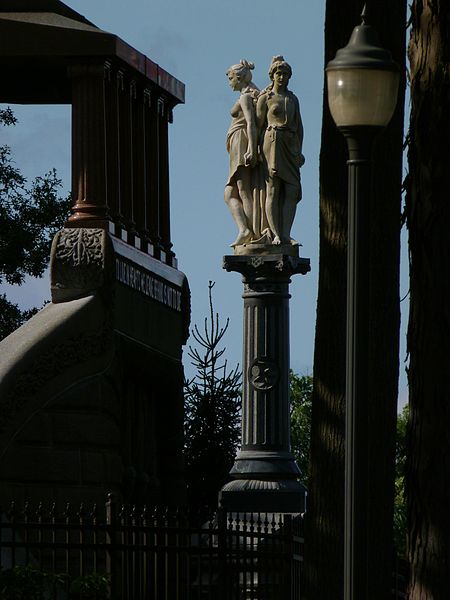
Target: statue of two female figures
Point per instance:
(265, 146)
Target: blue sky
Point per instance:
(197, 40)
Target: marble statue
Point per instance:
(264, 142)
(244, 190)
(281, 137)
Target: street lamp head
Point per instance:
(362, 81)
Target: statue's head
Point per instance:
(240, 75)
(278, 63)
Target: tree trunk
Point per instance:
(428, 218)
(325, 517)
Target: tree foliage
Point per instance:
(400, 531)
(301, 406)
(212, 412)
(29, 217)
(11, 316)
(28, 583)
(24, 582)
(301, 387)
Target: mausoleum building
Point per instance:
(91, 387)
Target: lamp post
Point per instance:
(362, 94)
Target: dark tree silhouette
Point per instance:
(325, 519)
(212, 413)
(29, 217)
(428, 220)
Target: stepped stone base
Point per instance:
(256, 495)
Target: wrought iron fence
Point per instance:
(151, 554)
(121, 552)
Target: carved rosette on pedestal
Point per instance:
(265, 472)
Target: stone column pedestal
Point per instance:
(265, 474)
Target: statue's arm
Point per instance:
(261, 118)
(300, 134)
(249, 113)
(261, 113)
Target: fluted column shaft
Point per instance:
(88, 145)
(265, 449)
(265, 398)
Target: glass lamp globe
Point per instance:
(362, 81)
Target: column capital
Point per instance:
(267, 266)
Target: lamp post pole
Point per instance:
(356, 542)
(362, 95)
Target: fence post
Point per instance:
(222, 587)
(288, 551)
(111, 551)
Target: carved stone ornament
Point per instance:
(81, 261)
(263, 374)
(256, 261)
(80, 247)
